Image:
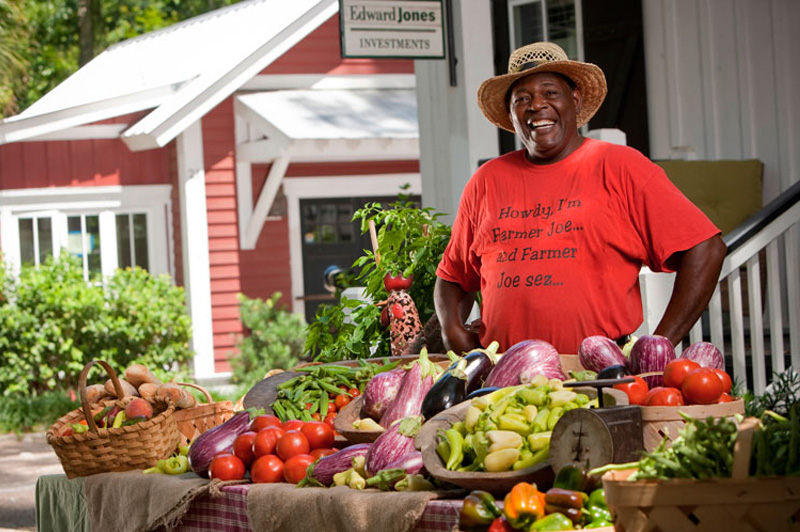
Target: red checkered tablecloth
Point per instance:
(228, 513)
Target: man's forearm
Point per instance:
(453, 305)
(696, 278)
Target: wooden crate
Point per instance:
(660, 421)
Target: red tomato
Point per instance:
(227, 466)
(397, 282)
(341, 401)
(727, 383)
(635, 391)
(322, 452)
(318, 434)
(295, 467)
(243, 447)
(293, 424)
(725, 398)
(677, 370)
(316, 416)
(267, 468)
(663, 396)
(291, 444)
(263, 421)
(329, 419)
(332, 409)
(702, 387)
(355, 392)
(266, 440)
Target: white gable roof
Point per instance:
(181, 72)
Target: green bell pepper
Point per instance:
(479, 510)
(556, 521)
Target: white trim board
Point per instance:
(297, 188)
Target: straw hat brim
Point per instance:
(588, 77)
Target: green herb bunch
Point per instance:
(411, 242)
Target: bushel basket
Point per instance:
(137, 446)
(192, 422)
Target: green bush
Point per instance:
(52, 323)
(276, 339)
(22, 413)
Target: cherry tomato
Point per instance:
(329, 419)
(318, 434)
(332, 407)
(727, 383)
(267, 468)
(663, 396)
(702, 387)
(635, 391)
(341, 401)
(294, 469)
(293, 424)
(291, 444)
(677, 370)
(316, 416)
(266, 440)
(322, 452)
(243, 446)
(264, 421)
(355, 392)
(725, 398)
(227, 466)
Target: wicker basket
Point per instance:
(137, 446)
(737, 504)
(192, 422)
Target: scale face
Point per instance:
(579, 438)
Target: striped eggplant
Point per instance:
(413, 388)
(651, 353)
(524, 360)
(598, 352)
(322, 471)
(380, 391)
(393, 444)
(706, 354)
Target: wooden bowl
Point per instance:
(343, 422)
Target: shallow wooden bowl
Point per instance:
(343, 422)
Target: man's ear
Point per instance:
(577, 97)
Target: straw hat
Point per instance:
(541, 57)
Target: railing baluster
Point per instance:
(715, 320)
(696, 333)
(757, 358)
(737, 326)
(793, 291)
(774, 304)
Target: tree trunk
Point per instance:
(86, 26)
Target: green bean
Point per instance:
(291, 382)
(279, 411)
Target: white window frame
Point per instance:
(106, 202)
(512, 4)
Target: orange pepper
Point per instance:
(523, 505)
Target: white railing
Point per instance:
(750, 324)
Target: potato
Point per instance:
(127, 388)
(138, 374)
(96, 393)
(170, 392)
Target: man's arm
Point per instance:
(453, 306)
(697, 272)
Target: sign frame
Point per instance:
(385, 14)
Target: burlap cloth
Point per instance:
(135, 502)
(284, 507)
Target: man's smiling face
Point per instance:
(543, 108)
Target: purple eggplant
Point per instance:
(598, 352)
(411, 463)
(380, 391)
(462, 377)
(706, 354)
(322, 471)
(652, 353)
(218, 439)
(393, 444)
(413, 388)
(522, 361)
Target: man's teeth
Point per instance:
(541, 123)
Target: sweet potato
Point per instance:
(138, 374)
(172, 392)
(127, 388)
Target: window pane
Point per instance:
(74, 245)
(27, 253)
(124, 241)
(528, 24)
(140, 240)
(561, 26)
(45, 230)
(93, 243)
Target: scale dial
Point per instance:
(579, 438)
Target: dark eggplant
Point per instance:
(462, 377)
(617, 371)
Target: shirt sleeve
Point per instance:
(667, 221)
(460, 264)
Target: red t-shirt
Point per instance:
(555, 250)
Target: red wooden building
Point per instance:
(228, 151)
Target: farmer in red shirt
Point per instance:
(553, 236)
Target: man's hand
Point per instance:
(453, 306)
(697, 273)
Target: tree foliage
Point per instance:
(40, 43)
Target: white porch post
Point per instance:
(453, 134)
(194, 246)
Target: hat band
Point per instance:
(529, 65)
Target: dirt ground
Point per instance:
(23, 459)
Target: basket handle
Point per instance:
(87, 411)
(742, 449)
(197, 387)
